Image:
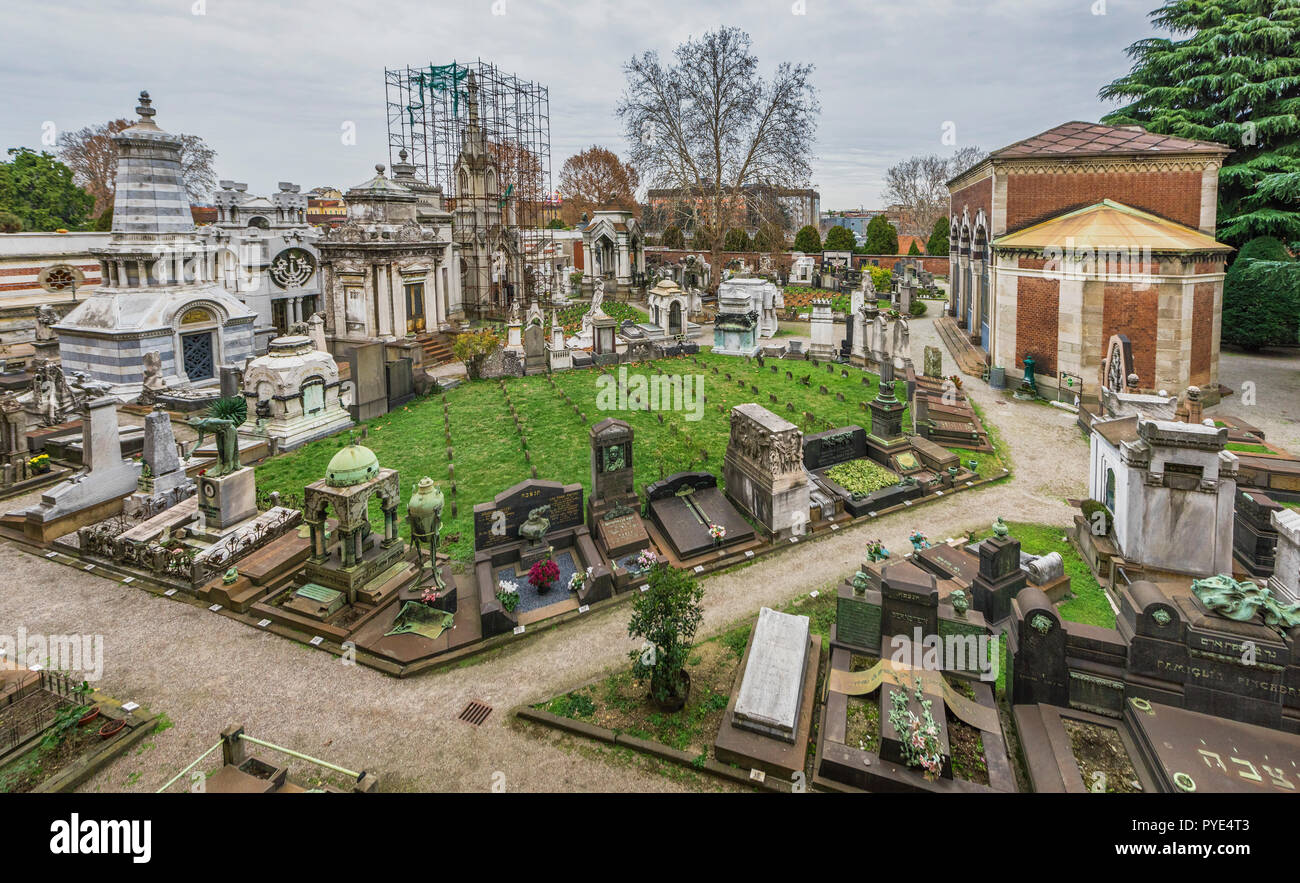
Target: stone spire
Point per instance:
(151, 195)
(474, 144)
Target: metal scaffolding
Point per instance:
(428, 116)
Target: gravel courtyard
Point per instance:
(207, 672)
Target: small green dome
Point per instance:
(354, 464)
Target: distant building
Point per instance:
(755, 203)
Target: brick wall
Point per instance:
(972, 198)
(784, 260)
(1033, 197)
(1202, 332)
(1132, 312)
(1038, 311)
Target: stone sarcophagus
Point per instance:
(764, 472)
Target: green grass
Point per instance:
(1089, 604)
(488, 454)
(1244, 448)
(571, 317)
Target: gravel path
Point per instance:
(1275, 407)
(207, 672)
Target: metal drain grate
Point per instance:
(476, 712)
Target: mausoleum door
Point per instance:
(279, 317)
(197, 356)
(675, 318)
(414, 307)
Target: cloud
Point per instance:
(270, 85)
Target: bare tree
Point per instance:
(919, 184)
(710, 126)
(597, 179)
(92, 156)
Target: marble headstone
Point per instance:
(771, 690)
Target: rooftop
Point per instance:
(1091, 139)
(1109, 225)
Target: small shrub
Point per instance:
(1090, 508)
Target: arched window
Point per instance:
(1110, 490)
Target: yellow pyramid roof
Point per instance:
(1110, 225)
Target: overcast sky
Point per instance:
(269, 84)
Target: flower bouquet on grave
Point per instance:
(919, 735)
(542, 574)
(645, 560)
(918, 540)
(579, 579)
(876, 551)
(508, 595)
(718, 533)
(40, 464)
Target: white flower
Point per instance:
(508, 587)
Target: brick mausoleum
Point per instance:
(1086, 231)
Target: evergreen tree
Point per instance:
(736, 240)
(1261, 296)
(840, 239)
(39, 190)
(938, 243)
(673, 238)
(913, 249)
(769, 237)
(808, 240)
(1230, 73)
(882, 237)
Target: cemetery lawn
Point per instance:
(620, 702)
(1089, 603)
(489, 456)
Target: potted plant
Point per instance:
(666, 616)
(718, 533)
(40, 464)
(542, 574)
(508, 595)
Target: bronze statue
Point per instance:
(425, 514)
(227, 439)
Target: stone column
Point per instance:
(397, 284)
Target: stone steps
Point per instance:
(971, 360)
(436, 348)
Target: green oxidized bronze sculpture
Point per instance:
(227, 439)
(1242, 601)
(424, 510)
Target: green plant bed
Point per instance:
(862, 476)
(1089, 603)
(1245, 448)
(863, 725)
(571, 316)
(489, 458)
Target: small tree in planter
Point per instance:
(666, 615)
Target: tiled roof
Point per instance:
(1092, 139)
